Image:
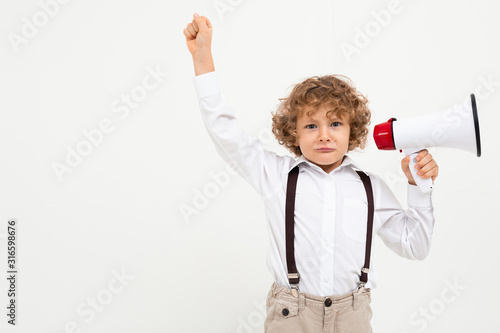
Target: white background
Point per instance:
(119, 210)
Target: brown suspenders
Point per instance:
(293, 275)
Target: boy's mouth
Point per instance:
(325, 149)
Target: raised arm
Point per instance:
(244, 153)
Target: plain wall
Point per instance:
(117, 211)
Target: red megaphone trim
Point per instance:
(384, 136)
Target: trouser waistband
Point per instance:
(313, 300)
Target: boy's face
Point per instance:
(321, 132)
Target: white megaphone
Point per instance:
(456, 127)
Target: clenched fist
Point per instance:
(199, 35)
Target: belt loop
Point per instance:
(355, 297)
(355, 301)
(274, 289)
(301, 301)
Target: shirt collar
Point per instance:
(346, 162)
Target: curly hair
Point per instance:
(315, 92)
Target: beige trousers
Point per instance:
(348, 313)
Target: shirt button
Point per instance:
(325, 279)
(285, 312)
(328, 302)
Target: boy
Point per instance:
(331, 206)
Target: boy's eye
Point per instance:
(335, 123)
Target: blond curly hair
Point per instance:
(315, 92)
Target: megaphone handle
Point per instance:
(425, 185)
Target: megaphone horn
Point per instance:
(456, 127)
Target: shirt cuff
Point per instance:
(206, 84)
(417, 198)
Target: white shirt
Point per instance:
(330, 209)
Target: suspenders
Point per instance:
(293, 275)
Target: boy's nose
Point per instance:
(324, 135)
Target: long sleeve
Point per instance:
(407, 233)
(244, 153)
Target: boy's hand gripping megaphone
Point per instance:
(456, 127)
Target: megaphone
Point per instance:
(456, 127)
